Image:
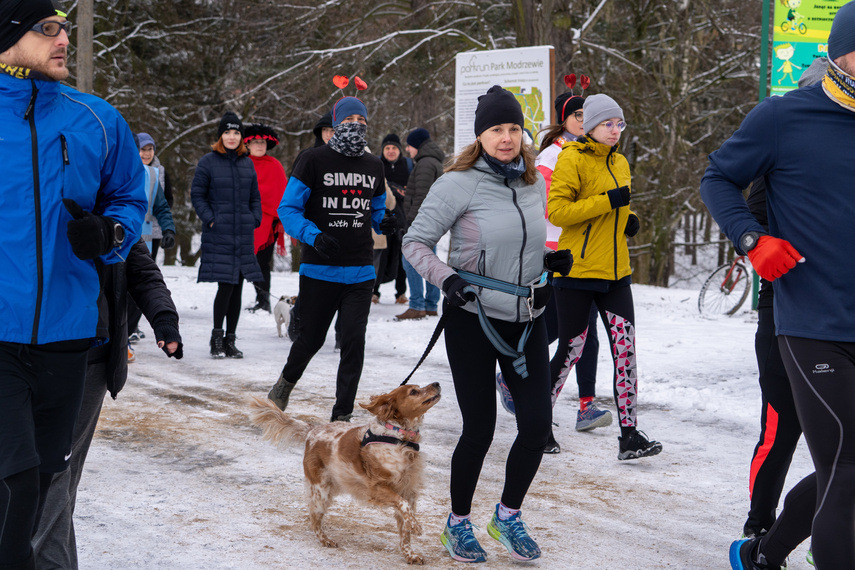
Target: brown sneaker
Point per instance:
(410, 314)
(401, 300)
(432, 313)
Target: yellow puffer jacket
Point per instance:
(579, 205)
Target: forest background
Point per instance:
(684, 72)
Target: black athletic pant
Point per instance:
(41, 387)
(472, 359)
(319, 301)
(618, 314)
(822, 376)
(227, 305)
(780, 429)
(262, 288)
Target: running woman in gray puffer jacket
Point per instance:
(492, 201)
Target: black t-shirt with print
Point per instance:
(339, 204)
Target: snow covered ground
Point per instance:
(178, 478)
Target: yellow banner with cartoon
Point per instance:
(801, 35)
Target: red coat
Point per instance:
(271, 185)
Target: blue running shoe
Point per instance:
(740, 556)
(460, 542)
(513, 533)
(592, 418)
(507, 400)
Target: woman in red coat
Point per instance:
(271, 184)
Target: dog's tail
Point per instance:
(278, 427)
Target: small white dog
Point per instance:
(282, 312)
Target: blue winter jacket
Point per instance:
(802, 143)
(56, 143)
(225, 193)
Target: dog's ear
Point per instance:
(380, 406)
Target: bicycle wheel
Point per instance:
(725, 291)
(786, 26)
(802, 29)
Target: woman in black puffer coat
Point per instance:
(225, 196)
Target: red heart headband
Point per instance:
(341, 82)
(570, 81)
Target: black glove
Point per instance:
(542, 295)
(326, 245)
(89, 235)
(619, 196)
(453, 289)
(560, 261)
(166, 331)
(632, 225)
(389, 223)
(168, 239)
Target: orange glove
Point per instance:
(772, 257)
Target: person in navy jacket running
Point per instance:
(803, 144)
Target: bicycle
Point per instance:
(726, 289)
(796, 23)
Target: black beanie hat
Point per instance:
(566, 104)
(229, 121)
(496, 107)
(325, 121)
(18, 16)
(418, 137)
(391, 138)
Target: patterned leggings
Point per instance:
(618, 314)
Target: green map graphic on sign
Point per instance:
(532, 107)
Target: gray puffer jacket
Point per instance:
(497, 229)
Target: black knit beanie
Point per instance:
(497, 107)
(18, 16)
(229, 121)
(841, 38)
(566, 104)
(392, 139)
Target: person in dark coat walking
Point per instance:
(424, 296)
(397, 169)
(54, 543)
(226, 198)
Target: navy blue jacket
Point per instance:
(56, 143)
(802, 143)
(225, 193)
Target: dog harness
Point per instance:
(371, 437)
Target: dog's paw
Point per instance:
(328, 542)
(415, 559)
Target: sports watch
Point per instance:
(749, 240)
(118, 234)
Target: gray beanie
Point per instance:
(841, 38)
(814, 73)
(598, 108)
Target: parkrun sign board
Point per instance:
(526, 72)
(801, 35)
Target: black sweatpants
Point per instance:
(618, 314)
(319, 301)
(41, 387)
(262, 288)
(780, 429)
(472, 359)
(227, 305)
(822, 377)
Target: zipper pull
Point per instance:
(32, 102)
(64, 150)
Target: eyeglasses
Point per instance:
(51, 29)
(610, 125)
(579, 116)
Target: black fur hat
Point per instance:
(261, 131)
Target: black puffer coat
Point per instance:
(225, 194)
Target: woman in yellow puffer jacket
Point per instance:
(589, 201)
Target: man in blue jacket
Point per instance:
(72, 197)
(803, 145)
(335, 195)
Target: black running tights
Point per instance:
(227, 305)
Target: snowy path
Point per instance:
(177, 478)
